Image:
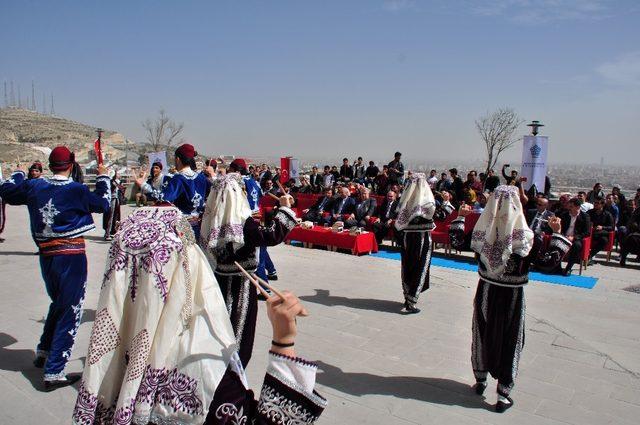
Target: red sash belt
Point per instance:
(62, 246)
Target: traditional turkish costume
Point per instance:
(414, 225)
(60, 213)
(229, 235)
(162, 349)
(502, 241)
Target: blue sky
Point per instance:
(328, 78)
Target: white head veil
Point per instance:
(416, 201)
(225, 213)
(501, 230)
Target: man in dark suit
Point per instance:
(538, 218)
(575, 226)
(322, 205)
(344, 205)
(386, 214)
(365, 209)
(315, 180)
(602, 222)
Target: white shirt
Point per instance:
(572, 225)
(586, 206)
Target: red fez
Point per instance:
(239, 163)
(61, 159)
(186, 151)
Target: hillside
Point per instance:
(27, 136)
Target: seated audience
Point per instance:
(576, 226)
(602, 224)
(343, 206)
(611, 206)
(595, 193)
(387, 212)
(321, 206)
(364, 210)
(370, 174)
(481, 202)
(444, 183)
(433, 179)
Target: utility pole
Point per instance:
(44, 104)
(19, 97)
(13, 96)
(6, 100)
(52, 111)
(33, 96)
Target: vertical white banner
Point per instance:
(160, 157)
(534, 161)
(294, 164)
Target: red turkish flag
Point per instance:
(285, 169)
(98, 149)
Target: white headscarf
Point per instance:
(161, 340)
(501, 230)
(225, 213)
(416, 201)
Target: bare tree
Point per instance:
(498, 131)
(162, 132)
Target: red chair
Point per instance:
(586, 249)
(610, 244)
(441, 233)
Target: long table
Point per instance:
(364, 243)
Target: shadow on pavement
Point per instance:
(430, 390)
(88, 315)
(19, 361)
(324, 297)
(21, 253)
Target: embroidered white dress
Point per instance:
(162, 340)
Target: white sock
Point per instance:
(503, 399)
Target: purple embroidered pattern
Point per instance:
(409, 214)
(146, 241)
(138, 354)
(104, 337)
(170, 388)
(89, 411)
(226, 231)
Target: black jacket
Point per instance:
(582, 228)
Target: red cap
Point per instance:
(187, 151)
(239, 163)
(61, 159)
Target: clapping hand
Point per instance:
(555, 223)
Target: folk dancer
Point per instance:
(157, 181)
(230, 234)
(111, 220)
(502, 242)
(35, 170)
(60, 213)
(187, 189)
(414, 225)
(162, 348)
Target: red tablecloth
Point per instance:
(306, 200)
(364, 243)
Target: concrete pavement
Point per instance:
(580, 365)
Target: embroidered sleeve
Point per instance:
(273, 234)
(100, 199)
(12, 191)
(288, 395)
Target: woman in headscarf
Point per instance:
(229, 235)
(502, 241)
(414, 224)
(162, 349)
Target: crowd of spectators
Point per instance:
(347, 197)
